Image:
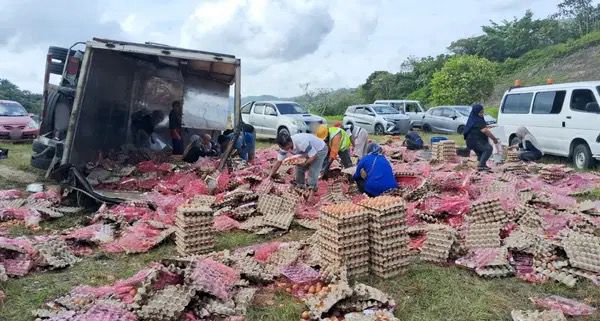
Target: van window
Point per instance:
(412, 108)
(517, 103)
(447, 112)
(259, 109)
(550, 102)
(584, 100)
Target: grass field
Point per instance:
(426, 292)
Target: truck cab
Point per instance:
(89, 112)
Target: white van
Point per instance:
(412, 108)
(564, 118)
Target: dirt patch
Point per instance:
(18, 176)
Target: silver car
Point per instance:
(272, 117)
(449, 119)
(412, 108)
(378, 119)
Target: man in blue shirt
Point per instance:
(374, 174)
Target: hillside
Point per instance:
(572, 61)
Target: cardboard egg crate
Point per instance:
(583, 251)
(167, 304)
(512, 156)
(558, 276)
(383, 205)
(487, 211)
(443, 151)
(483, 235)
(194, 232)
(437, 246)
(55, 253)
(207, 200)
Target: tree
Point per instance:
(583, 14)
(463, 80)
(32, 102)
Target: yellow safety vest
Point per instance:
(345, 143)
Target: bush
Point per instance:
(463, 80)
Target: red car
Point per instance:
(15, 122)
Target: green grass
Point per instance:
(18, 156)
(332, 119)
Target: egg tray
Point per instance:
(322, 302)
(264, 187)
(383, 204)
(345, 210)
(389, 253)
(268, 204)
(528, 315)
(358, 272)
(401, 240)
(495, 271)
(558, 276)
(379, 315)
(401, 259)
(345, 226)
(389, 229)
(187, 251)
(593, 277)
(252, 224)
(347, 240)
(252, 270)
(530, 219)
(405, 174)
(308, 223)
(356, 253)
(483, 236)
(55, 253)
(194, 228)
(167, 304)
(343, 249)
(352, 262)
(203, 200)
(281, 220)
(520, 241)
(344, 233)
(437, 246)
(194, 210)
(202, 238)
(583, 251)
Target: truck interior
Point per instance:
(118, 79)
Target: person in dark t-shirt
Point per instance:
(477, 135)
(175, 125)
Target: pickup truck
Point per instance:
(89, 113)
(272, 117)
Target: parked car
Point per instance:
(84, 117)
(272, 117)
(377, 119)
(564, 118)
(412, 108)
(449, 119)
(15, 123)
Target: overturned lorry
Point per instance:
(89, 113)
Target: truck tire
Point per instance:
(283, 130)
(460, 129)
(41, 163)
(56, 68)
(582, 156)
(379, 130)
(59, 53)
(37, 147)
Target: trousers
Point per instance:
(314, 170)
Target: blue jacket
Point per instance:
(380, 176)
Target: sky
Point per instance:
(283, 44)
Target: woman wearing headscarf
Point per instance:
(477, 135)
(374, 174)
(529, 147)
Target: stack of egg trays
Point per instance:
(194, 232)
(388, 237)
(487, 211)
(343, 237)
(483, 235)
(438, 244)
(444, 150)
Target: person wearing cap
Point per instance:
(339, 145)
(315, 151)
(359, 139)
(374, 174)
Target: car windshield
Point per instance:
(465, 111)
(385, 110)
(12, 109)
(287, 109)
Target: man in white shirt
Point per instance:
(359, 138)
(308, 145)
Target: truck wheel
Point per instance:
(56, 68)
(283, 131)
(582, 156)
(59, 53)
(41, 163)
(460, 129)
(379, 130)
(426, 128)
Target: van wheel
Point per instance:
(582, 156)
(379, 130)
(460, 129)
(426, 128)
(283, 131)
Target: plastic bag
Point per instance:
(567, 306)
(10, 194)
